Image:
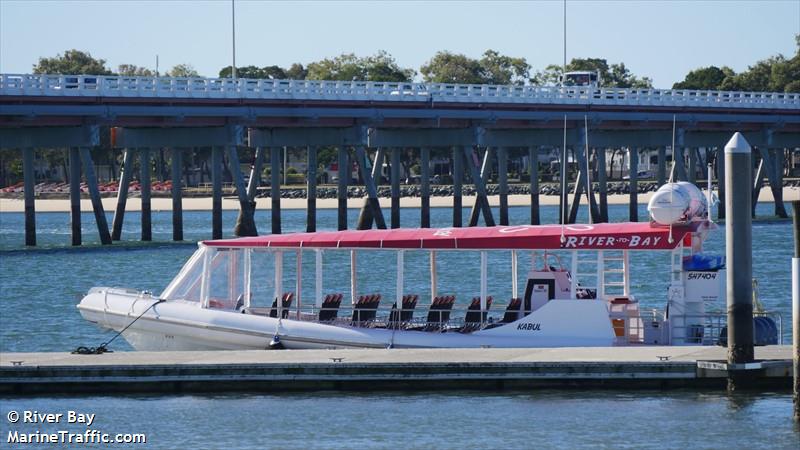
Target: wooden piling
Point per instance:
(216, 192)
(502, 181)
(311, 190)
(533, 172)
(458, 176)
(275, 188)
(425, 187)
(94, 195)
(602, 185)
(177, 197)
(341, 189)
(30, 195)
(395, 168)
(122, 195)
(633, 203)
(75, 194)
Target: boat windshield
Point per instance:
(186, 286)
(223, 284)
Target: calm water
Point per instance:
(39, 290)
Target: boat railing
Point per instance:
(685, 329)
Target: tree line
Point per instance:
(774, 74)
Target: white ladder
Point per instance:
(615, 273)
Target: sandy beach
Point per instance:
(232, 203)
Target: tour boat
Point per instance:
(576, 292)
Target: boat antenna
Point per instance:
(564, 182)
(672, 171)
(671, 239)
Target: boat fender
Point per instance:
(275, 343)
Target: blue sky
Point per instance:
(659, 39)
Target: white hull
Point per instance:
(180, 325)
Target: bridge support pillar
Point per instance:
(679, 164)
(502, 181)
(341, 188)
(177, 194)
(311, 189)
(94, 194)
(692, 175)
(633, 203)
(395, 168)
(122, 194)
(275, 188)
(533, 173)
(245, 222)
(216, 192)
(479, 179)
(75, 194)
(425, 187)
(144, 179)
(662, 166)
(602, 185)
(458, 176)
(30, 195)
(371, 208)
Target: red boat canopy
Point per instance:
(603, 236)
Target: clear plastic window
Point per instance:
(187, 285)
(226, 278)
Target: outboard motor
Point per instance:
(677, 203)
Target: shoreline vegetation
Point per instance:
(17, 205)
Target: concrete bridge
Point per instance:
(141, 113)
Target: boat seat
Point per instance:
(409, 303)
(475, 318)
(286, 303)
(512, 314)
(330, 307)
(512, 310)
(365, 309)
(438, 313)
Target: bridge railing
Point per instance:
(227, 88)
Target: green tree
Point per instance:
(73, 62)
(708, 78)
(446, 67)
(183, 70)
(380, 67)
(774, 74)
(131, 70)
(297, 72)
(242, 72)
(501, 69)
